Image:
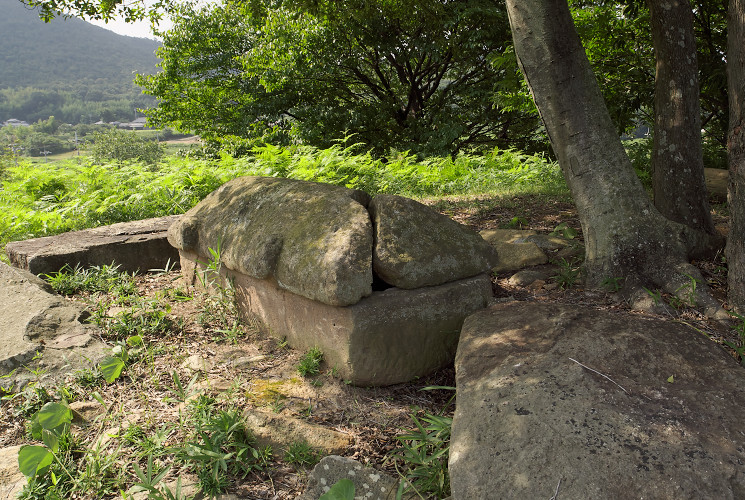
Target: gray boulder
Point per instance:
(416, 246)
(314, 239)
(594, 404)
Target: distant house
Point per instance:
(136, 124)
(15, 123)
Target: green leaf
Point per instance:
(341, 490)
(33, 459)
(671, 379)
(111, 368)
(54, 415)
(50, 439)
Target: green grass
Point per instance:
(42, 199)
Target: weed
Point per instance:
(300, 453)
(655, 294)
(182, 393)
(105, 279)
(310, 362)
(425, 451)
(222, 445)
(565, 231)
(516, 222)
(568, 273)
(686, 293)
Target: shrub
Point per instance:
(117, 145)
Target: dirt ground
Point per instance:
(373, 417)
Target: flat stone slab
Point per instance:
(369, 484)
(134, 246)
(40, 329)
(387, 338)
(594, 404)
(280, 431)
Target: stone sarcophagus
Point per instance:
(381, 285)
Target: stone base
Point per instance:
(134, 246)
(390, 337)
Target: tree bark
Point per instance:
(677, 158)
(736, 154)
(625, 236)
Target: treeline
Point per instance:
(86, 104)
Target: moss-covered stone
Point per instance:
(314, 239)
(416, 246)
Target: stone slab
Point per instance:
(40, 329)
(594, 404)
(280, 431)
(390, 337)
(369, 484)
(134, 246)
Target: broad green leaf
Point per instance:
(111, 368)
(341, 490)
(33, 459)
(50, 439)
(54, 415)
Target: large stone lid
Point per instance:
(320, 242)
(314, 239)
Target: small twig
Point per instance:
(556, 493)
(601, 374)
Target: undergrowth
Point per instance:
(45, 199)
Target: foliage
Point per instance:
(118, 145)
(425, 452)
(41, 200)
(301, 453)
(568, 273)
(407, 76)
(222, 445)
(106, 279)
(343, 489)
(68, 69)
(310, 362)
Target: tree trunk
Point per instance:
(677, 158)
(625, 236)
(736, 154)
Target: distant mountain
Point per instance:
(65, 52)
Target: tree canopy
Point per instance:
(429, 76)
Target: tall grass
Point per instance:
(44, 199)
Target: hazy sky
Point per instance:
(139, 29)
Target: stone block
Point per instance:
(389, 337)
(134, 246)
